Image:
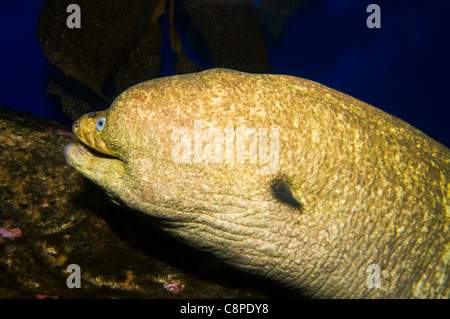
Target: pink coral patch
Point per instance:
(173, 286)
(10, 233)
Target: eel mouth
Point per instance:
(94, 152)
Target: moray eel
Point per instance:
(281, 177)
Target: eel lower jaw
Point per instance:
(82, 148)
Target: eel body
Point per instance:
(281, 177)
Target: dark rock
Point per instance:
(76, 97)
(111, 33)
(233, 33)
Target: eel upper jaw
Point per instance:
(86, 149)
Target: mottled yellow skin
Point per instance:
(372, 189)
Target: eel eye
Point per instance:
(100, 124)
